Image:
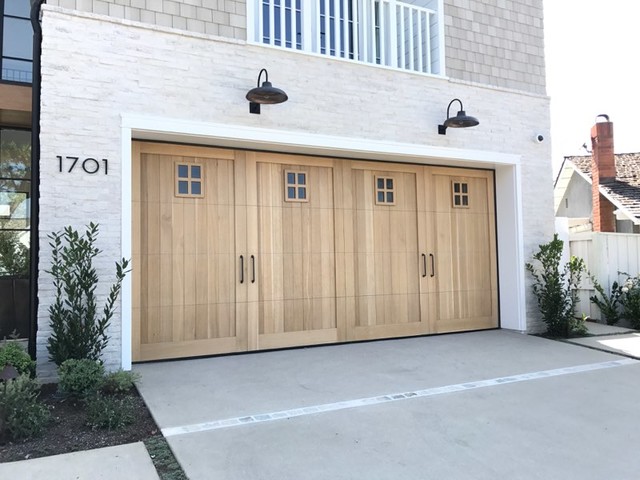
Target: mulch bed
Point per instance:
(68, 432)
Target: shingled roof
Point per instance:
(625, 190)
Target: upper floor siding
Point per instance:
(492, 42)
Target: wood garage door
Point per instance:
(237, 251)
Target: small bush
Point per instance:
(630, 300)
(11, 353)
(556, 288)
(21, 416)
(110, 412)
(119, 382)
(608, 304)
(80, 378)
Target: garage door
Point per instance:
(237, 251)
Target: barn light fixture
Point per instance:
(461, 120)
(266, 94)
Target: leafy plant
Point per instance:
(21, 415)
(630, 300)
(110, 412)
(12, 353)
(556, 288)
(80, 378)
(78, 331)
(608, 304)
(14, 255)
(119, 382)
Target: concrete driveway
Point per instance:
(484, 405)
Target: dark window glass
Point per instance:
(302, 193)
(291, 192)
(381, 197)
(465, 188)
(465, 201)
(17, 8)
(389, 197)
(196, 189)
(195, 171)
(389, 183)
(291, 178)
(183, 171)
(456, 187)
(456, 199)
(302, 179)
(17, 38)
(381, 183)
(183, 188)
(15, 154)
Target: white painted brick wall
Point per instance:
(495, 42)
(93, 70)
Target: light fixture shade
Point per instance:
(461, 120)
(266, 94)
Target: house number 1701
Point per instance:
(89, 165)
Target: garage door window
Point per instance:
(189, 178)
(295, 189)
(460, 194)
(385, 193)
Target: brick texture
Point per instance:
(603, 170)
(95, 70)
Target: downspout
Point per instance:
(35, 175)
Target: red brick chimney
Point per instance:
(603, 170)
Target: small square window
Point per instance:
(295, 186)
(189, 180)
(384, 194)
(460, 194)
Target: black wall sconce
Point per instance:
(461, 120)
(266, 94)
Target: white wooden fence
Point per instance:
(605, 254)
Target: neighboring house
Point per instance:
(617, 206)
(345, 213)
(15, 168)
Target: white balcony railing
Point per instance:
(397, 34)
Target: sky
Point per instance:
(592, 53)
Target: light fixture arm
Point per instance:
(266, 76)
(451, 103)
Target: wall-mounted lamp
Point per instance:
(267, 94)
(461, 120)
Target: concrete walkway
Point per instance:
(484, 405)
(610, 338)
(129, 461)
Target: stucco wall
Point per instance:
(577, 199)
(493, 42)
(95, 70)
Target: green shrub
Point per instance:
(608, 304)
(80, 378)
(21, 416)
(556, 289)
(119, 382)
(12, 353)
(110, 412)
(630, 300)
(78, 329)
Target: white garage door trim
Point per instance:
(508, 188)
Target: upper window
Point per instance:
(17, 41)
(385, 191)
(295, 186)
(404, 35)
(460, 194)
(189, 178)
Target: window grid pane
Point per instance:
(189, 180)
(384, 193)
(460, 194)
(295, 186)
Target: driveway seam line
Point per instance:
(393, 397)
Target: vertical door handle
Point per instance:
(241, 268)
(433, 264)
(253, 269)
(424, 265)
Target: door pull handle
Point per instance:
(433, 264)
(424, 265)
(253, 269)
(241, 268)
